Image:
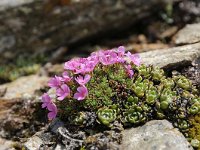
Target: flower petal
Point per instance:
(51, 115)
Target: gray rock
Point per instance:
(188, 35)
(23, 86)
(60, 147)
(34, 143)
(20, 103)
(4, 4)
(41, 140)
(6, 144)
(171, 57)
(154, 135)
(70, 140)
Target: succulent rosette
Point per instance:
(106, 116)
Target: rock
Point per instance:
(144, 47)
(154, 135)
(4, 4)
(171, 58)
(5, 144)
(109, 139)
(24, 86)
(70, 140)
(51, 70)
(188, 35)
(41, 140)
(59, 147)
(43, 23)
(21, 114)
(57, 136)
(2, 92)
(169, 32)
(63, 139)
(34, 143)
(191, 8)
(21, 118)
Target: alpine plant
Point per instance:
(115, 86)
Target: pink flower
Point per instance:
(52, 111)
(120, 54)
(71, 65)
(66, 77)
(135, 58)
(45, 100)
(63, 92)
(93, 58)
(89, 66)
(121, 51)
(83, 80)
(129, 70)
(81, 65)
(81, 94)
(55, 82)
(47, 103)
(81, 69)
(108, 57)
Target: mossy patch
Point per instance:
(21, 66)
(194, 131)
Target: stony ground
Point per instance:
(172, 46)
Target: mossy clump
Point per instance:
(194, 131)
(21, 66)
(121, 90)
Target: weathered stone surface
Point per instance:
(69, 140)
(19, 106)
(5, 144)
(171, 57)
(188, 35)
(43, 140)
(59, 147)
(51, 26)
(21, 118)
(34, 143)
(23, 86)
(45, 136)
(50, 70)
(154, 135)
(4, 4)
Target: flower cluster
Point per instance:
(79, 71)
